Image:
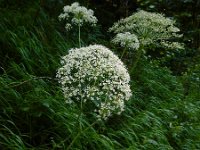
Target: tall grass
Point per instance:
(160, 115)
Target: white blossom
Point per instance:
(77, 15)
(127, 39)
(150, 29)
(94, 74)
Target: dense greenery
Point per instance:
(163, 112)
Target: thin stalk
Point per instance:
(79, 35)
(15, 84)
(70, 145)
(138, 56)
(123, 52)
(80, 117)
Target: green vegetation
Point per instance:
(163, 112)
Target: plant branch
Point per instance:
(80, 134)
(79, 35)
(15, 84)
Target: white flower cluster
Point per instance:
(95, 76)
(150, 28)
(127, 40)
(172, 45)
(77, 15)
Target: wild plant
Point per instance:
(144, 30)
(77, 15)
(96, 79)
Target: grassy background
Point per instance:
(162, 114)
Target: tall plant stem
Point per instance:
(123, 53)
(80, 117)
(70, 145)
(138, 56)
(79, 35)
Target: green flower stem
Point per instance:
(80, 117)
(124, 51)
(70, 145)
(138, 56)
(79, 35)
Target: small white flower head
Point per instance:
(68, 26)
(150, 29)
(77, 15)
(95, 76)
(127, 40)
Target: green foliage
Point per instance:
(162, 114)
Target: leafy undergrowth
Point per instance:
(162, 114)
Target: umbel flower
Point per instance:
(127, 40)
(151, 29)
(77, 15)
(96, 78)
